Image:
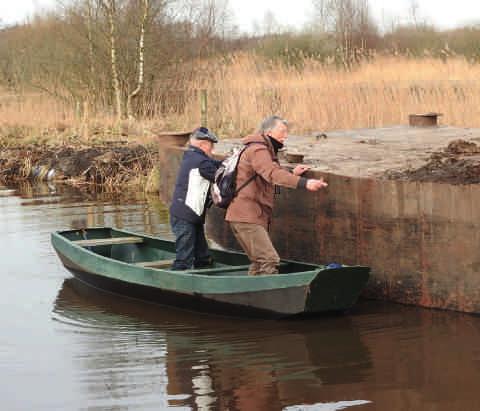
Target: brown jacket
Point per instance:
(253, 203)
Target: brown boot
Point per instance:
(269, 268)
(254, 269)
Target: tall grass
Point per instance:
(320, 97)
(40, 118)
(376, 93)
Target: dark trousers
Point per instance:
(191, 245)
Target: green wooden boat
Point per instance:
(138, 266)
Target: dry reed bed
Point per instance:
(382, 92)
(376, 93)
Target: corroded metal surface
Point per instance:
(424, 120)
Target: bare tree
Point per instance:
(209, 21)
(99, 53)
(110, 8)
(91, 58)
(270, 24)
(413, 11)
(349, 21)
(415, 17)
(141, 58)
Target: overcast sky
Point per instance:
(295, 13)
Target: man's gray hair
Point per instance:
(269, 123)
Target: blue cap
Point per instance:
(203, 133)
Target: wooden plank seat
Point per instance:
(168, 263)
(218, 270)
(109, 241)
(155, 264)
(210, 270)
(226, 269)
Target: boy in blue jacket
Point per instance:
(191, 200)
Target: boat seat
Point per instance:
(155, 264)
(226, 269)
(108, 241)
(218, 270)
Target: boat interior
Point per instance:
(157, 253)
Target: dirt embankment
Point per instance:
(458, 163)
(111, 165)
(114, 165)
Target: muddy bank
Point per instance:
(458, 163)
(110, 165)
(439, 154)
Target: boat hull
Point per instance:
(283, 295)
(263, 304)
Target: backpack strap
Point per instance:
(246, 183)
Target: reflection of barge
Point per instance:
(421, 239)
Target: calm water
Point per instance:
(64, 346)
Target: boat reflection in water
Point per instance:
(140, 355)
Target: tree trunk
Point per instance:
(141, 59)
(91, 64)
(91, 58)
(111, 13)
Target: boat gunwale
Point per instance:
(315, 267)
(279, 281)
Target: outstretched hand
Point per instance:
(315, 185)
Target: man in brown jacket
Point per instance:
(250, 212)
